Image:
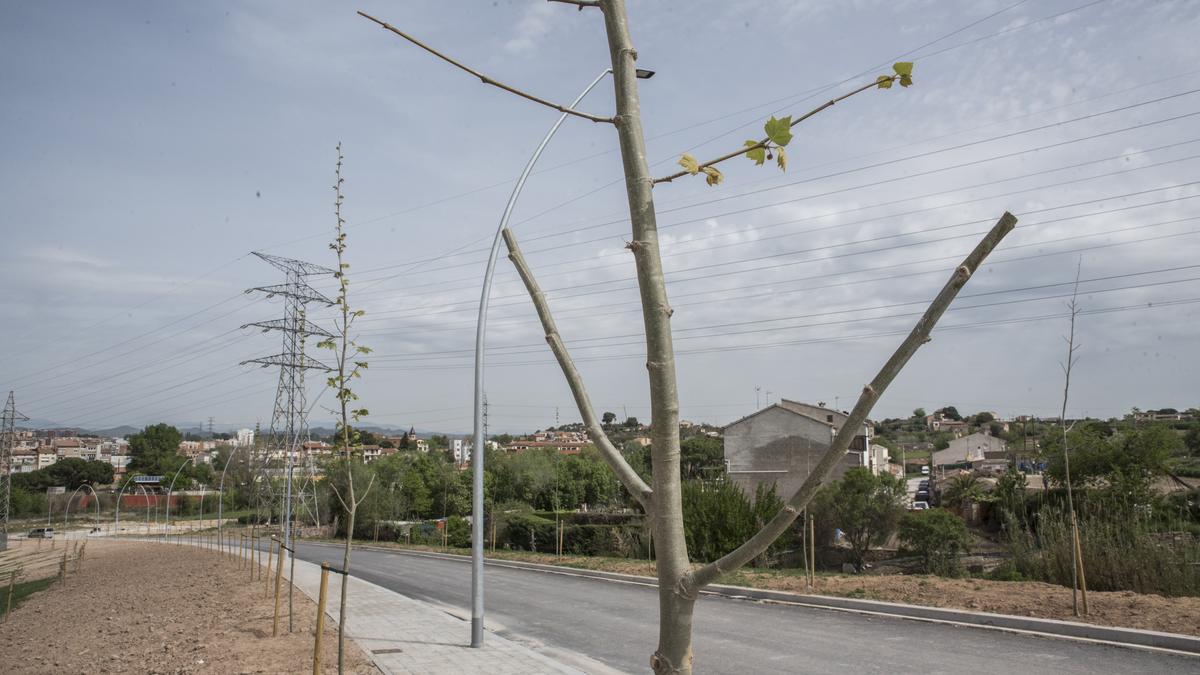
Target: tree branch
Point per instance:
(484, 78)
(763, 142)
(629, 478)
(754, 546)
(366, 492)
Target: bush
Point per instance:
(719, 518)
(1120, 552)
(938, 537)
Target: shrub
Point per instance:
(938, 537)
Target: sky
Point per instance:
(151, 147)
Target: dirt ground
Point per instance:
(158, 608)
(1021, 598)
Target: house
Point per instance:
(970, 449)
(781, 443)
(46, 455)
(24, 460)
(371, 453)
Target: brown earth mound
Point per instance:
(157, 608)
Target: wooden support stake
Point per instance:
(278, 576)
(812, 552)
(12, 581)
(1079, 569)
(62, 568)
(320, 618)
(270, 555)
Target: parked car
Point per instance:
(925, 470)
(919, 506)
(41, 533)
(921, 496)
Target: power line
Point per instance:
(575, 343)
(550, 292)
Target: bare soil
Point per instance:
(157, 608)
(1124, 609)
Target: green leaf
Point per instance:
(712, 176)
(884, 82)
(779, 131)
(689, 164)
(906, 80)
(903, 68)
(758, 154)
(781, 159)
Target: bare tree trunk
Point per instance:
(674, 653)
(352, 510)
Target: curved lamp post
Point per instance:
(117, 515)
(480, 335)
(146, 494)
(221, 497)
(170, 489)
(67, 512)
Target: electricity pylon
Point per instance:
(289, 423)
(8, 437)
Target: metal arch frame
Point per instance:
(117, 515)
(146, 494)
(170, 491)
(480, 336)
(67, 510)
(221, 492)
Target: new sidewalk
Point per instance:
(403, 635)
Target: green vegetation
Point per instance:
(69, 473)
(155, 452)
(937, 537)
(24, 589)
(865, 507)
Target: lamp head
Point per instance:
(643, 74)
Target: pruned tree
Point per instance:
(348, 356)
(679, 583)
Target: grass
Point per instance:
(25, 589)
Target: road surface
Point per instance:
(616, 624)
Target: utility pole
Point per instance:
(8, 437)
(289, 419)
(210, 427)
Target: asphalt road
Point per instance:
(616, 624)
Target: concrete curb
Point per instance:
(1072, 630)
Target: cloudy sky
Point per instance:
(150, 147)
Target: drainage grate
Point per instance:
(393, 650)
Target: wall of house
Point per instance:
(779, 447)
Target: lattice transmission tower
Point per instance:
(8, 438)
(289, 421)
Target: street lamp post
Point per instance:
(221, 497)
(67, 512)
(170, 489)
(117, 515)
(480, 334)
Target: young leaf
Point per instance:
(689, 164)
(903, 68)
(758, 154)
(779, 131)
(712, 176)
(884, 82)
(906, 80)
(781, 159)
